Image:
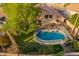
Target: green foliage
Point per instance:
(20, 17)
(10, 12)
(66, 4)
(75, 46)
(20, 23)
(41, 49)
(73, 18)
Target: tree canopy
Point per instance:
(20, 16)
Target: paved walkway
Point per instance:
(71, 54)
(8, 54)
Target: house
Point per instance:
(48, 15)
(50, 21)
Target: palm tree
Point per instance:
(77, 32)
(75, 23)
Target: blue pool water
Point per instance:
(50, 35)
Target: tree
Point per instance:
(20, 17)
(10, 12)
(26, 13)
(20, 21)
(73, 18)
(75, 46)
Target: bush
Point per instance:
(41, 49)
(75, 46)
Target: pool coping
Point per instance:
(48, 42)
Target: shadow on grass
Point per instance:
(34, 48)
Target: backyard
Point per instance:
(20, 24)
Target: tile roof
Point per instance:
(50, 10)
(1, 15)
(74, 7)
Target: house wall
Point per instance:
(53, 19)
(46, 22)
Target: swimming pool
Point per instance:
(50, 35)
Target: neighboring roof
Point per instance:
(74, 7)
(56, 5)
(50, 10)
(1, 15)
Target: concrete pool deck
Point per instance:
(48, 42)
(51, 42)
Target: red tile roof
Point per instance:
(1, 15)
(74, 7)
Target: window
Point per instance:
(50, 16)
(46, 16)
